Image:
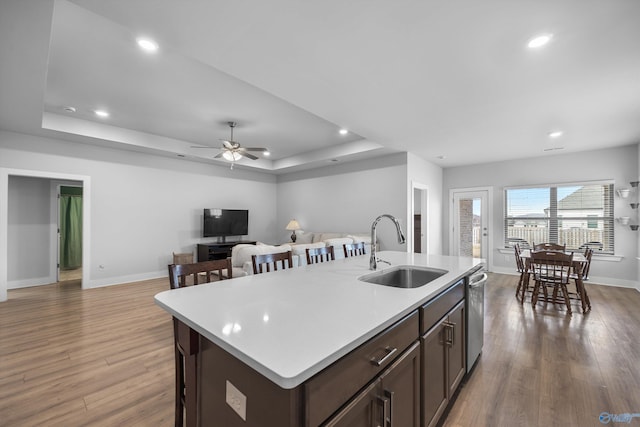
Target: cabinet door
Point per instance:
(400, 387)
(362, 411)
(434, 370)
(457, 353)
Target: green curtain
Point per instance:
(70, 231)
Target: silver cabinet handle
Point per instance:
(450, 333)
(385, 405)
(389, 351)
(389, 420)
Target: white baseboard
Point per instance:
(27, 283)
(125, 279)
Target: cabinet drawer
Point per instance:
(334, 386)
(434, 310)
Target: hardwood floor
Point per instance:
(542, 368)
(104, 357)
(99, 357)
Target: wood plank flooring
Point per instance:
(98, 357)
(543, 368)
(104, 357)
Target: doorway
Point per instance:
(419, 216)
(5, 173)
(69, 233)
(469, 221)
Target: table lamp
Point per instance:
(293, 226)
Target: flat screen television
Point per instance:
(225, 222)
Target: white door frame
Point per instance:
(424, 218)
(55, 228)
(489, 220)
(4, 219)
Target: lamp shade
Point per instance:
(232, 156)
(293, 225)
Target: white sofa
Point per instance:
(320, 239)
(241, 254)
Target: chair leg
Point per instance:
(565, 292)
(179, 416)
(534, 296)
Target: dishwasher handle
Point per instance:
(474, 282)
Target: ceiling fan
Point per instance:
(232, 150)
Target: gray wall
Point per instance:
(143, 207)
(619, 164)
(346, 197)
(29, 225)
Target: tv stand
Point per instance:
(218, 250)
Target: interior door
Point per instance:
(470, 233)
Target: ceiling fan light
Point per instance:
(232, 156)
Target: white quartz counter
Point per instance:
(289, 325)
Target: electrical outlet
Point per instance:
(236, 400)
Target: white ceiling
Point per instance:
(451, 79)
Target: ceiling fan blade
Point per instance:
(202, 146)
(260, 149)
(217, 156)
(249, 156)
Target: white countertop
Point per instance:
(290, 324)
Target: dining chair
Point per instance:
(186, 340)
(551, 269)
(582, 272)
(316, 255)
(520, 266)
(262, 263)
(549, 247)
(353, 249)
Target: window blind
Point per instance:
(578, 215)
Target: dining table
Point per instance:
(578, 263)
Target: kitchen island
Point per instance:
(268, 343)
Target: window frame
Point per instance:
(554, 222)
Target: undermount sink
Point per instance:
(404, 276)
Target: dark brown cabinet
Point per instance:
(443, 363)
(213, 251)
(392, 400)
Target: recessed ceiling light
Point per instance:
(69, 109)
(553, 149)
(101, 113)
(343, 131)
(266, 153)
(147, 45)
(539, 41)
(442, 157)
(555, 134)
(333, 160)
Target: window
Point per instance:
(578, 215)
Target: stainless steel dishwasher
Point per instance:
(475, 282)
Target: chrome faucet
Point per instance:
(373, 261)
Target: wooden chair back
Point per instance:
(588, 254)
(354, 249)
(551, 267)
(519, 261)
(280, 261)
(316, 255)
(549, 247)
(201, 272)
